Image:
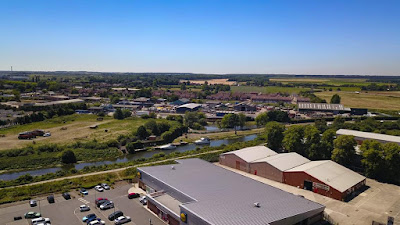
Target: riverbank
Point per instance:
(191, 137)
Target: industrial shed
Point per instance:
(325, 177)
(195, 192)
(241, 159)
(322, 107)
(272, 167)
(360, 136)
(188, 107)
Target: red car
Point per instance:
(133, 195)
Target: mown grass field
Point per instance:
(269, 89)
(75, 128)
(370, 100)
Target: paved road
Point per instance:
(66, 212)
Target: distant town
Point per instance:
(170, 148)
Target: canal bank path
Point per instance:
(112, 171)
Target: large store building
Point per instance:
(324, 177)
(360, 136)
(196, 192)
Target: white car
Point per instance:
(107, 205)
(122, 219)
(143, 200)
(105, 186)
(97, 222)
(99, 188)
(40, 220)
(84, 208)
(48, 134)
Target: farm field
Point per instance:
(211, 81)
(268, 89)
(370, 100)
(76, 128)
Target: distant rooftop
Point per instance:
(368, 135)
(320, 106)
(251, 154)
(190, 106)
(284, 161)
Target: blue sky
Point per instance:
(296, 36)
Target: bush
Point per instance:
(68, 156)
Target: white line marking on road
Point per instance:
(84, 201)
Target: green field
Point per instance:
(68, 129)
(269, 89)
(370, 100)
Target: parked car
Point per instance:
(84, 191)
(89, 216)
(143, 200)
(105, 186)
(33, 203)
(101, 202)
(97, 221)
(99, 188)
(122, 219)
(107, 205)
(17, 217)
(84, 208)
(66, 195)
(48, 134)
(50, 199)
(115, 215)
(40, 220)
(32, 215)
(133, 195)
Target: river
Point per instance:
(138, 155)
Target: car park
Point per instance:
(105, 186)
(33, 203)
(115, 215)
(84, 208)
(99, 188)
(107, 205)
(40, 220)
(50, 199)
(84, 191)
(32, 215)
(89, 216)
(133, 195)
(122, 219)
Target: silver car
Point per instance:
(107, 205)
(105, 186)
(122, 219)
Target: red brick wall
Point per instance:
(297, 179)
(172, 221)
(263, 169)
(152, 207)
(232, 161)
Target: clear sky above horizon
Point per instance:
(208, 36)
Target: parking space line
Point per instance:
(84, 201)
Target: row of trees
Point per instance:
(263, 118)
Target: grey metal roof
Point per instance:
(320, 106)
(223, 197)
(252, 153)
(331, 173)
(190, 106)
(368, 135)
(284, 161)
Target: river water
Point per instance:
(138, 155)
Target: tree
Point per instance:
(233, 121)
(142, 133)
(321, 125)
(262, 119)
(118, 114)
(312, 143)
(335, 99)
(373, 159)
(392, 158)
(278, 116)
(274, 132)
(327, 143)
(68, 156)
(344, 150)
(293, 140)
(338, 122)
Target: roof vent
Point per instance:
(173, 167)
(257, 204)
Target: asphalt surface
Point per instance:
(66, 212)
